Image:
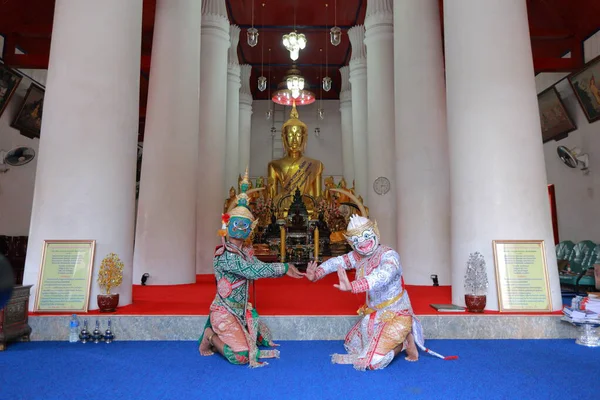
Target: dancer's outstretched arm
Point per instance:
(314, 272)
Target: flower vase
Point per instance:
(475, 303)
(108, 302)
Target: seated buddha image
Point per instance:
(294, 170)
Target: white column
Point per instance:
(379, 39)
(421, 143)
(346, 111)
(245, 117)
(358, 82)
(497, 170)
(85, 181)
(165, 244)
(213, 107)
(232, 166)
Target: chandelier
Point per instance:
(292, 89)
(294, 42)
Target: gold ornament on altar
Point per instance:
(110, 274)
(294, 170)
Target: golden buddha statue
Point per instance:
(232, 199)
(329, 183)
(294, 170)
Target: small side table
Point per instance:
(14, 317)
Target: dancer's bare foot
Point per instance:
(412, 354)
(205, 348)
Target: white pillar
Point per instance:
(358, 82)
(497, 170)
(346, 111)
(232, 166)
(381, 176)
(165, 245)
(85, 180)
(421, 143)
(245, 117)
(213, 106)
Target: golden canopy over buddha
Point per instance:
(294, 170)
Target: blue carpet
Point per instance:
(486, 369)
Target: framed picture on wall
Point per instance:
(555, 120)
(9, 81)
(586, 85)
(29, 117)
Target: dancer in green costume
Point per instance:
(233, 328)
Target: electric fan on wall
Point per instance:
(16, 157)
(574, 158)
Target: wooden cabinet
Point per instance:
(14, 317)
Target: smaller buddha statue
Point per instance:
(260, 183)
(232, 199)
(329, 183)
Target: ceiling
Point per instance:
(556, 27)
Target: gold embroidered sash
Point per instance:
(366, 310)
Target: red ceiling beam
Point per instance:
(549, 34)
(556, 64)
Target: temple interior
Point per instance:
(462, 129)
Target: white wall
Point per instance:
(577, 195)
(327, 148)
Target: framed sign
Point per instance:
(9, 81)
(29, 117)
(587, 89)
(65, 276)
(522, 275)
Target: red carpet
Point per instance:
(282, 296)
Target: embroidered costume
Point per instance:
(387, 318)
(232, 317)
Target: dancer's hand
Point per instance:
(344, 285)
(311, 271)
(293, 272)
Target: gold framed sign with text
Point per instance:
(65, 276)
(522, 275)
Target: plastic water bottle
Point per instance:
(73, 329)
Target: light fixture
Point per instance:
(336, 33)
(292, 89)
(262, 83)
(327, 84)
(252, 33)
(252, 37)
(269, 112)
(295, 84)
(294, 42)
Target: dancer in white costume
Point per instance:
(387, 325)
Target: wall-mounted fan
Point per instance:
(16, 157)
(574, 158)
